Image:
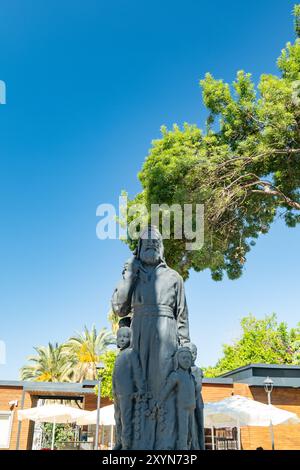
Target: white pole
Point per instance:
(102, 438)
(239, 434)
(98, 414)
(111, 435)
(212, 438)
(271, 424)
(53, 435)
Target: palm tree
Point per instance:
(114, 319)
(84, 350)
(50, 364)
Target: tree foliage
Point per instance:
(75, 360)
(108, 359)
(84, 351)
(262, 341)
(63, 433)
(50, 364)
(244, 168)
(113, 319)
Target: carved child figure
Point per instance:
(127, 382)
(184, 385)
(199, 437)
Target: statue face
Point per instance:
(150, 251)
(123, 338)
(185, 360)
(194, 352)
(193, 348)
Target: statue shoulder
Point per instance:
(123, 355)
(173, 377)
(175, 274)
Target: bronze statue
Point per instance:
(154, 294)
(127, 384)
(199, 437)
(183, 383)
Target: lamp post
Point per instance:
(99, 367)
(268, 386)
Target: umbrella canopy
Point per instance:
(245, 412)
(106, 417)
(51, 414)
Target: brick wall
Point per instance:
(285, 437)
(216, 392)
(90, 402)
(15, 393)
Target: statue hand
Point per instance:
(158, 405)
(140, 396)
(142, 393)
(152, 412)
(132, 266)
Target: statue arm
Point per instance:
(182, 315)
(169, 386)
(137, 372)
(199, 416)
(113, 384)
(198, 397)
(121, 300)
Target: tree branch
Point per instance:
(264, 154)
(271, 190)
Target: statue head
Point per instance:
(184, 358)
(123, 337)
(150, 248)
(193, 348)
(125, 321)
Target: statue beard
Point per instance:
(150, 257)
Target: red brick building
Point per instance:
(246, 381)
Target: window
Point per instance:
(226, 439)
(222, 439)
(5, 428)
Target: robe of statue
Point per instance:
(160, 324)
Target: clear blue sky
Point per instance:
(89, 83)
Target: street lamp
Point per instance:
(268, 386)
(99, 367)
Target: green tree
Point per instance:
(63, 433)
(108, 359)
(84, 350)
(244, 168)
(295, 344)
(113, 319)
(50, 364)
(262, 341)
